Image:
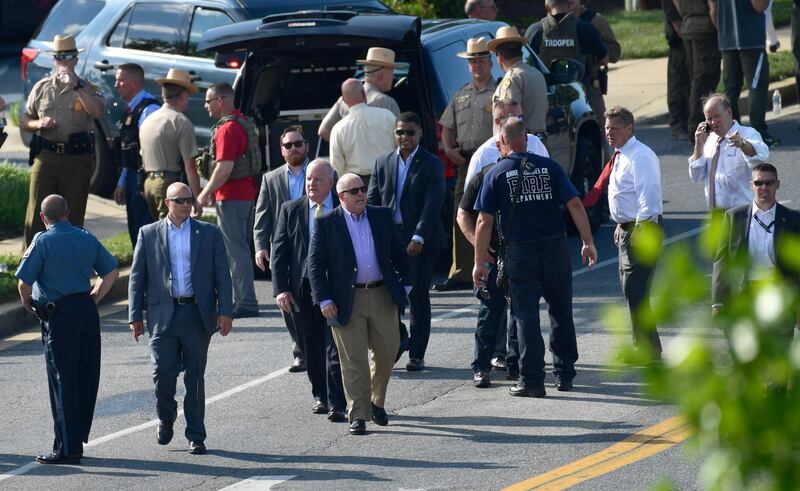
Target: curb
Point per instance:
(15, 319)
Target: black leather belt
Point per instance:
(369, 284)
(184, 300)
(61, 148)
(162, 173)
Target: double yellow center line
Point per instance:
(634, 448)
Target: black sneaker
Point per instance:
(481, 379)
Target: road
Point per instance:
(443, 432)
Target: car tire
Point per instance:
(104, 172)
(588, 165)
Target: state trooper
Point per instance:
(61, 110)
(54, 284)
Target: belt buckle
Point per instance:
(61, 148)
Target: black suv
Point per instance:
(293, 66)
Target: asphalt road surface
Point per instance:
(443, 432)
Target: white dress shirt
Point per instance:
(488, 153)
(760, 242)
(360, 138)
(180, 255)
(634, 188)
(732, 181)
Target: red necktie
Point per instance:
(593, 196)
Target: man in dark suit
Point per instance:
(360, 278)
(750, 248)
(292, 289)
(410, 181)
(181, 268)
(277, 187)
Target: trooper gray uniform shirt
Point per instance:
(375, 98)
(526, 84)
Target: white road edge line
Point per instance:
(253, 383)
(258, 483)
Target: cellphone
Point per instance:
(707, 128)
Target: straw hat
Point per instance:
(506, 34)
(476, 48)
(64, 44)
(179, 77)
(379, 57)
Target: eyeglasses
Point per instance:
(405, 132)
(295, 144)
(209, 101)
(66, 57)
(182, 201)
(768, 182)
(355, 191)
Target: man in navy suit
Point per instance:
(410, 181)
(292, 289)
(360, 277)
(753, 236)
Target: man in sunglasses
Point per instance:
(755, 232)
(410, 182)
(61, 110)
(278, 186)
(360, 277)
(232, 188)
(361, 136)
(724, 153)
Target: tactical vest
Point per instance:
(248, 164)
(560, 39)
(129, 134)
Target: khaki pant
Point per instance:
(67, 175)
(155, 190)
(367, 347)
(463, 253)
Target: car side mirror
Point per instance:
(565, 70)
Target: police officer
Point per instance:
(536, 258)
(140, 104)
(231, 185)
(679, 71)
(466, 124)
(562, 34)
(54, 283)
(61, 109)
(521, 82)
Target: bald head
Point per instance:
(178, 190)
(54, 208)
(348, 181)
(353, 92)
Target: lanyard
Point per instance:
(766, 227)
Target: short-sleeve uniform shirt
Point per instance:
(166, 139)
(48, 98)
(61, 260)
(469, 113)
(545, 187)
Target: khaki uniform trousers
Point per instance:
(155, 190)
(67, 175)
(367, 348)
(463, 253)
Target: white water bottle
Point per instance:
(776, 103)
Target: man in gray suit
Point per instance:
(285, 183)
(189, 297)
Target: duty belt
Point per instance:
(67, 148)
(162, 173)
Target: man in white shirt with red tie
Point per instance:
(634, 197)
(725, 152)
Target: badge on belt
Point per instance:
(78, 105)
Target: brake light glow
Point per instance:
(28, 55)
(233, 64)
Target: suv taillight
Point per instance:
(28, 55)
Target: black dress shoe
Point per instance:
(481, 379)
(197, 448)
(336, 415)
(452, 284)
(519, 390)
(564, 385)
(358, 427)
(54, 458)
(164, 432)
(298, 365)
(320, 407)
(379, 416)
(415, 365)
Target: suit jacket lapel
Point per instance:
(339, 213)
(780, 223)
(194, 242)
(162, 240)
(391, 179)
(304, 219)
(412, 167)
(283, 184)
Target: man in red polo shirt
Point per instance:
(231, 185)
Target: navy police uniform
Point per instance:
(59, 264)
(538, 259)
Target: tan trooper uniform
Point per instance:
(58, 169)
(525, 84)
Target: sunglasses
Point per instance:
(405, 132)
(355, 191)
(295, 144)
(66, 57)
(768, 182)
(209, 101)
(182, 201)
